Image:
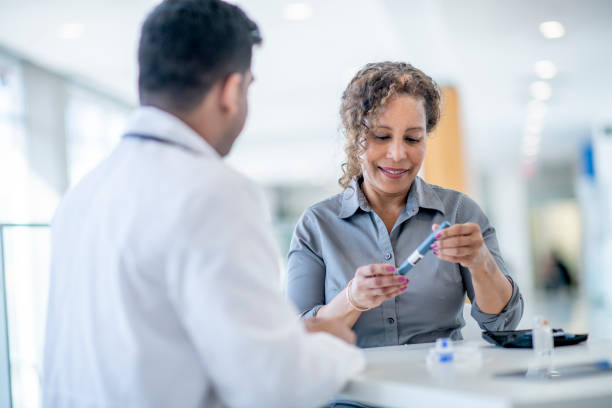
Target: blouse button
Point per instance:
(387, 256)
(391, 320)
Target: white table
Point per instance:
(398, 377)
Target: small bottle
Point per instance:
(440, 361)
(542, 337)
(444, 350)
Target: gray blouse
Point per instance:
(336, 236)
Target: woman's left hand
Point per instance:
(461, 243)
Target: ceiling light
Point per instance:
(540, 90)
(535, 117)
(298, 11)
(531, 139)
(70, 31)
(552, 29)
(531, 148)
(536, 109)
(533, 126)
(545, 69)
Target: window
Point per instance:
(25, 259)
(13, 166)
(24, 195)
(94, 125)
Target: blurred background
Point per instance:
(526, 132)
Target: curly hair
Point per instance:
(368, 92)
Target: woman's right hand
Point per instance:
(373, 284)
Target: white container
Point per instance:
(447, 360)
(440, 361)
(542, 337)
(444, 350)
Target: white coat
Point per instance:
(164, 288)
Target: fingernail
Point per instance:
(390, 267)
(435, 252)
(404, 287)
(438, 235)
(401, 279)
(434, 245)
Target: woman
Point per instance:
(345, 249)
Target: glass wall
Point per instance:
(87, 129)
(13, 166)
(93, 127)
(25, 253)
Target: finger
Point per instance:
(367, 278)
(456, 242)
(380, 292)
(372, 270)
(385, 281)
(390, 295)
(458, 229)
(434, 227)
(397, 292)
(386, 290)
(463, 260)
(457, 252)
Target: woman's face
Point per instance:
(395, 146)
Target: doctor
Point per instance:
(164, 288)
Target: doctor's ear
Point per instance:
(232, 93)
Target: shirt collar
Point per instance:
(426, 196)
(353, 199)
(149, 120)
(421, 195)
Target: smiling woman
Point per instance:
(374, 88)
(395, 151)
(344, 250)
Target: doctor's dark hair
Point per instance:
(186, 46)
(367, 95)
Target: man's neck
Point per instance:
(200, 119)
